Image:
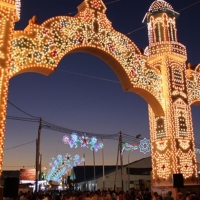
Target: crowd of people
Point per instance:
(190, 195)
(105, 195)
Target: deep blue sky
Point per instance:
(82, 103)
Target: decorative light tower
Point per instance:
(9, 14)
(172, 137)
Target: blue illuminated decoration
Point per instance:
(84, 141)
(94, 144)
(60, 165)
(129, 147)
(144, 146)
(197, 151)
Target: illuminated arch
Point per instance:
(159, 76)
(39, 48)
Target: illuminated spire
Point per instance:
(159, 6)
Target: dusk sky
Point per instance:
(71, 100)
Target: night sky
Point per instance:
(69, 99)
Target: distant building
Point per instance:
(135, 175)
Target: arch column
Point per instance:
(7, 20)
(172, 137)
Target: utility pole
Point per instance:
(119, 154)
(128, 166)
(116, 167)
(121, 159)
(94, 170)
(84, 173)
(38, 164)
(40, 167)
(103, 168)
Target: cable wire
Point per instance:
(21, 110)
(19, 145)
(22, 119)
(136, 30)
(47, 125)
(68, 131)
(95, 77)
(189, 6)
(112, 2)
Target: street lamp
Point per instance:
(136, 137)
(38, 156)
(120, 154)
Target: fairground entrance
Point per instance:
(158, 74)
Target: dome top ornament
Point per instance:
(160, 6)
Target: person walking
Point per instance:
(169, 196)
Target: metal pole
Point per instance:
(94, 170)
(103, 169)
(116, 167)
(84, 172)
(121, 159)
(38, 168)
(136, 137)
(128, 172)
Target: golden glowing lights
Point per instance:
(184, 144)
(159, 5)
(7, 17)
(159, 75)
(193, 85)
(163, 165)
(162, 145)
(45, 45)
(18, 7)
(172, 139)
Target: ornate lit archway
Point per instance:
(39, 48)
(159, 76)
